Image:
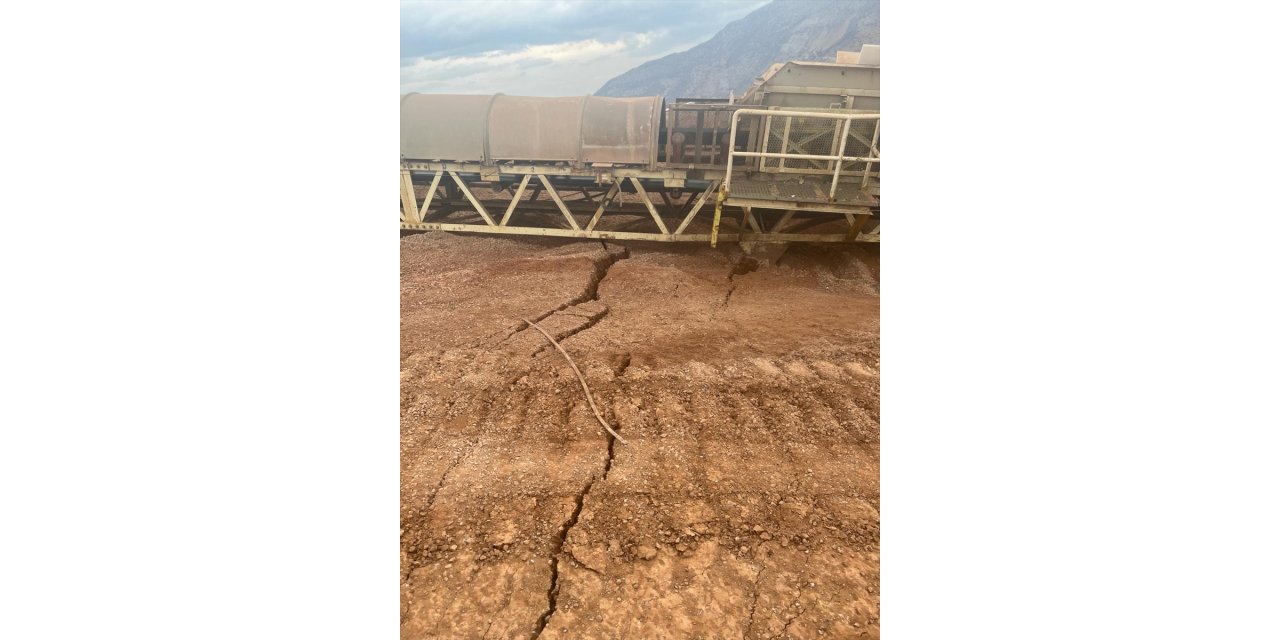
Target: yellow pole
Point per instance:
(715, 222)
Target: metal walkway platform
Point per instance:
(806, 195)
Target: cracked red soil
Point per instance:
(747, 502)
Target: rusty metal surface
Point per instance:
(443, 127)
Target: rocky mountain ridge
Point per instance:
(780, 31)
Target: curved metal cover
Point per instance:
(443, 127)
(620, 130)
(524, 128)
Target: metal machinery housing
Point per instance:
(796, 158)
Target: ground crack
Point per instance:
(755, 597)
(553, 592)
(592, 320)
(724, 303)
(591, 292)
(743, 265)
(787, 625)
(608, 463)
(623, 365)
(569, 552)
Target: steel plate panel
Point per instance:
(443, 127)
(524, 128)
(620, 130)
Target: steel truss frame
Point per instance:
(451, 199)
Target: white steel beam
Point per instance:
(604, 202)
(702, 199)
(652, 211)
(515, 199)
(475, 203)
(559, 203)
(408, 199)
(626, 235)
(431, 194)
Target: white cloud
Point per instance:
(562, 52)
(544, 68)
(546, 47)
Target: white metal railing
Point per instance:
(838, 158)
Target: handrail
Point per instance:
(840, 158)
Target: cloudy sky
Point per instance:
(546, 47)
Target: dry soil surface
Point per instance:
(745, 503)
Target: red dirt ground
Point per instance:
(746, 502)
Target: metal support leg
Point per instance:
(786, 217)
(749, 219)
(715, 222)
(408, 199)
(856, 222)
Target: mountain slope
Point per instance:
(780, 31)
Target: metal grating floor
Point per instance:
(810, 190)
